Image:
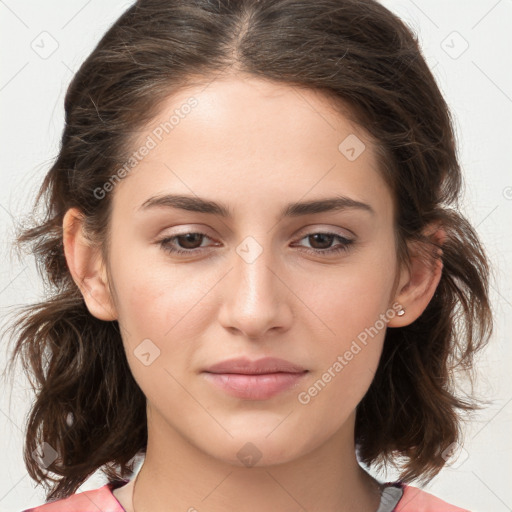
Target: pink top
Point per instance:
(412, 500)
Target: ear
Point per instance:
(87, 267)
(418, 283)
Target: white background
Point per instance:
(477, 84)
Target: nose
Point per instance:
(256, 298)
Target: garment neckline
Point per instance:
(116, 484)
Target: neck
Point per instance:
(176, 475)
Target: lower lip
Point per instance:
(254, 387)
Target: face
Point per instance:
(309, 285)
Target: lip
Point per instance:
(254, 387)
(244, 365)
(254, 380)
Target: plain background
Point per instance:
(466, 43)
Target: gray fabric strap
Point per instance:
(389, 498)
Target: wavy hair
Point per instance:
(87, 405)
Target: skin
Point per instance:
(254, 146)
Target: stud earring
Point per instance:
(401, 312)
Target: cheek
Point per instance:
(160, 314)
(351, 312)
(347, 352)
(158, 299)
(346, 300)
(169, 305)
(345, 363)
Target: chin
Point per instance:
(251, 448)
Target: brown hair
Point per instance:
(359, 54)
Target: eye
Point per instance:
(325, 239)
(190, 243)
(189, 240)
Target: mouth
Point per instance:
(255, 386)
(244, 365)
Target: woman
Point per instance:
(258, 268)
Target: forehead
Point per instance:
(248, 141)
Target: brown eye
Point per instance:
(321, 243)
(321, 240)
(186, 243)
(189, 240)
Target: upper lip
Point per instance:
(259, 366)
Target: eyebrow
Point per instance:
(199, 205)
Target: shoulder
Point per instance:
(416, 500)
(101, 498)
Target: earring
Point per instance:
(401, 312)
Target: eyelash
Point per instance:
(345, 246)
